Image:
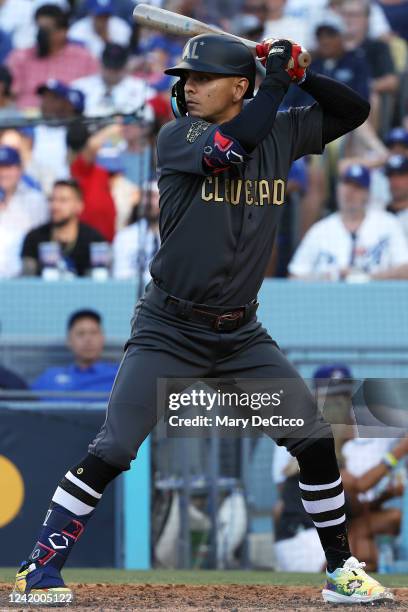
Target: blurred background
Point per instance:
(82, 98)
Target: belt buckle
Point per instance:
(228, 321)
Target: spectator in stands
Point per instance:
(52, 57)
(21, 209)
(5, 45)
(248, 25)
(99, 27)
(396, 12)
(333, 60)
(85, 339)
(112, 90)
(383, 77)
(73, 237)
(135, 246)
(126, 194)
(8, 109)
(397, 141)
(16, 17)
(297, 546)
(356, 14)
(22, 141)
(11, 381)
(353, 243)
(379, 26)
(368, 462)
(277, 24)
(306, 11)
(364, 464)
(397, 171)
(137, 154)
(58, 102)
(99, 207)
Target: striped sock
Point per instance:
(72, 505)
(322, 496)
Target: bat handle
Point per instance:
(304, 59)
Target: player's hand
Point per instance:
(290, 60)
(274, 54)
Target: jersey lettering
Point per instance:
(255, 193)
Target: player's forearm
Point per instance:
(343, 109)
(386, 84)
(256, 119)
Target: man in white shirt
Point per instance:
(135, 246)
(353, 244)
(58, 101)
(396, 170)
(21, 209)
(280, 24)
(310, 11)
(17, 19)
(112, 90)
(100, 26)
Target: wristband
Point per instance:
(390, 461)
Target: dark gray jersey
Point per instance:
(217, 229)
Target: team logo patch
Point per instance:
(196, 129)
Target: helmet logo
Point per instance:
(190, 50)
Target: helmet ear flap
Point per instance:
(178, 100)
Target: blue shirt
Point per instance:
(98, 377)
(397, 15)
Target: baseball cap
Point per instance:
(330, 21)
(398, 135)
(76, 98)
(336, 376)
(396, 164)
(360, 175)
(99, 7)
(9, 156)
(54, 86)
(114, 56)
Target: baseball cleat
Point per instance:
(350, 584)
(33, 579)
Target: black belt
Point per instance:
(215, 318)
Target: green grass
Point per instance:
(198, 577)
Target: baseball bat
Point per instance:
(180, 25)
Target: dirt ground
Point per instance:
(208, 598)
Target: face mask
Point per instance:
(43, 42)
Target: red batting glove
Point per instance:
(262, 50)
(296, 72)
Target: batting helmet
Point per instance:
(216, 54)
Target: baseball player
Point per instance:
(223, 166)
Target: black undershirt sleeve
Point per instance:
(343, 109)
(256, 119)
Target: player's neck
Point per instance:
(225, 115)
(353, 220)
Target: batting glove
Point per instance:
(297, 73)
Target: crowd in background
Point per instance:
(78, 191)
